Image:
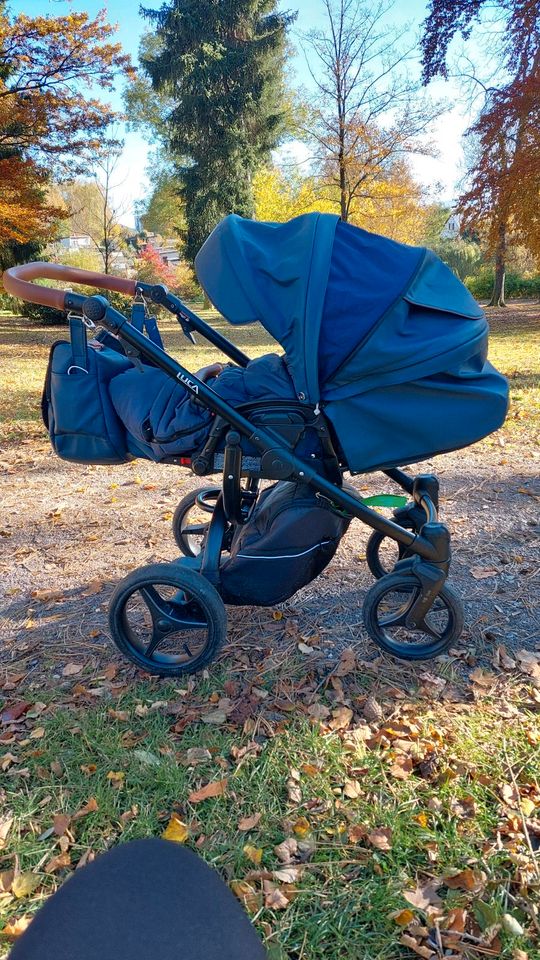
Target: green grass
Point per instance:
(514, 349)
(344, 899)
(24, 349)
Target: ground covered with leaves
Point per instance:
(360, 808)
(352, 818)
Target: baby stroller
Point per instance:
(387, 353)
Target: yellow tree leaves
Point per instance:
(279, 198)
(393, 205)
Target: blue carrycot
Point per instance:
(382, 336)
(385, 365)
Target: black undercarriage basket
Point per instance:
(289, 538)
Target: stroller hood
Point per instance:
(276, 274)
(336, 298)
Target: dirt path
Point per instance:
(68, 533)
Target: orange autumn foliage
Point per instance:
(505, 187)
(502, 199)
(49, 118)
(24, 212)
(49, 67)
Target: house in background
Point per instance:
(78, 241)
(168, 249)
(121, 256)
(169, 252)
(452, 227)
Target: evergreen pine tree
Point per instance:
(221, 64)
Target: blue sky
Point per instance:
(440, 174)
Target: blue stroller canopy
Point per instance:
(355, 313)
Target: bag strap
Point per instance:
(141, 321)
(79, 345)
(152, 330)
(138, 315)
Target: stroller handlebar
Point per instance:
(18, 281)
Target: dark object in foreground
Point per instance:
(386, 351)
(144, 900)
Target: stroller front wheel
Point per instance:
(168, 620)
(189, 525)
(385, 611)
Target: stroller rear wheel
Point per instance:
(189, 524)
(168, 620)
(382, 553)
(385, 612)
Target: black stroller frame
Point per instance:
(418, 579)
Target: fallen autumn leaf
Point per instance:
(176, 830)
(249, 823)
(214, 789)
(381, 838)
(25, 884)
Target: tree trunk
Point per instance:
(344, 207)
(497, 297)
(343, 189)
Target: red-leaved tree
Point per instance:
(152, 268)
(504, 180)
(50, 118)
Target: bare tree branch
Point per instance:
(367, 111)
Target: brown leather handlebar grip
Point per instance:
(18, 282)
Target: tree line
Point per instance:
(213, 90)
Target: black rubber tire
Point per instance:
(373, 557)
(199, 590)
(397, 583)
(186, 504)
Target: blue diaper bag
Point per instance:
(77, 411)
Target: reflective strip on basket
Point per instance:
(286, 556)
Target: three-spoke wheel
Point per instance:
(168, 620)
(387, 609)
(191, 519)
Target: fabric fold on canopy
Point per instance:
(431, 326)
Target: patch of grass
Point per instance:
(342, 903)
(25, 346)
(514, 350)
